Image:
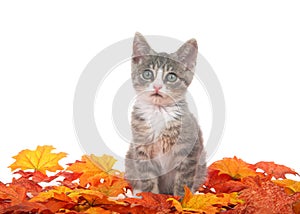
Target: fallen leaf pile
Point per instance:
(91, 185)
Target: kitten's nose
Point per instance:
(157, 88)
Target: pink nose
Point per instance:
(157, 88)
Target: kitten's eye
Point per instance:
(147, 74)
(171, 77)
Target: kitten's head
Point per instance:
(159, 78)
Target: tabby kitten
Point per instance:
(167, 151)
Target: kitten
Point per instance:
(167, 151)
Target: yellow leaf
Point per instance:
(41, 159)
(176, 204)
(289, 185)
(234, 167)
(208, 203)
(105, 162)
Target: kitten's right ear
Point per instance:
(140, 48)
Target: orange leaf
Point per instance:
(109, 185)
(92, 165)
(97, 210)
(276, 170)
(56, 205)
(12, 194)
(58, 193)
(91, 197)
(234, 167)
(41, 159)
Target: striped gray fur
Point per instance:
(166, 152)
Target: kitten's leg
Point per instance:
(142, 172)
(185, 173)
(199, 176)
(148, 174)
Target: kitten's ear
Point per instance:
(187, 54)
(140, 48)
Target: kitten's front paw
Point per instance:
(135, 191)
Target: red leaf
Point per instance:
(36, 176)
(30, 186)
(69, 178)
(276, 170)
(27, 207)
(151, 201)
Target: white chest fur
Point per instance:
(157, 117)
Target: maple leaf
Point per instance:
(151, 203)
(109, 185)
(69, 179)
(86, 199)
(290, 186)
(96, 210)
(90, 166)
(12, 194)
(41, 159)
(222, 183)
(58, 193)
(55, 205)
(27, 207)
(276, 170)
(207, 203)
(234, 167)
(36, 176)
(30, 186)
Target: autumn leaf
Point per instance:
(41, 159)
(27, 207)
(58, 193)
(234, 167)
(93, 186)
(30, 186)
(153, 203)
(69, 179)
(222, 183)
(12, 194)
(36, 176)
(276, 170)
(208, 203)
(290, 186)
(105, 162)
(109, 185)
(96, 210)
(92, 165)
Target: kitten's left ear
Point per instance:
(187, 54)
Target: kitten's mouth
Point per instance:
(156, 95)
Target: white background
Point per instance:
(253, 46)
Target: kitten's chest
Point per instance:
(157, 119)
